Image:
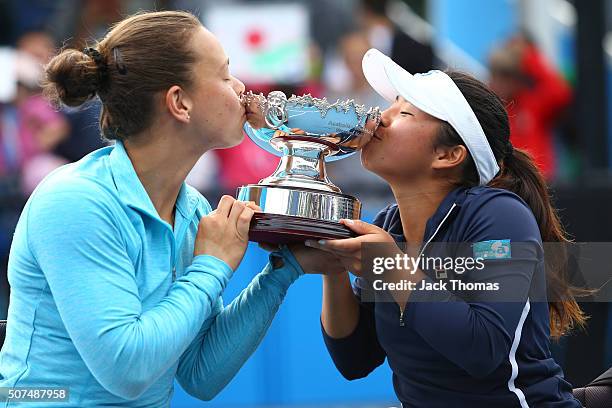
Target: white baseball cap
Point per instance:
(436, 94)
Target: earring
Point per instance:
(188, 117)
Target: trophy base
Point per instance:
(286, 229)
(297, 214)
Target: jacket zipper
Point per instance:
(402, 323)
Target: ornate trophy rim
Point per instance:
(323, 106)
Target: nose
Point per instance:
(385, 118)
(239, 87)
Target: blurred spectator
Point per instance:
(535, 95)
(29, 127)
(384, 35)
(351, 49)
(38, 44)
(330, 21)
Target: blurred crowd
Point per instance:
(36, 138)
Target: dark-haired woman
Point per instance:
(443, 147)
(117, 266)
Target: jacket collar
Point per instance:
(450, 203)
(132, 192)
(444, 213)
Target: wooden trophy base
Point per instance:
(286, 229)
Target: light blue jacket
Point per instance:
(108, 300)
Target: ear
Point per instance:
(446, 157)
(178, 103)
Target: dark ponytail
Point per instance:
(520, 175)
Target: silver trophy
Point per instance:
(298, 200)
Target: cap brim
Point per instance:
(373, 65)
(389, 80)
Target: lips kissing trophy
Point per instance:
(298, 200)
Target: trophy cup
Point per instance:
(298, 200)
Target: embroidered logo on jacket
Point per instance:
(493, 249)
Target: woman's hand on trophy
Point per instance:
(315, 261)
(312, 261)
(254, 108)
(253, 206)
(224, 233)
(349, 250)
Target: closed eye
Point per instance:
(407, 113)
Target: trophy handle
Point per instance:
(274, 111)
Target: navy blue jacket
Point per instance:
(458, 352)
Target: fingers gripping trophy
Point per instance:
(298, 201)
